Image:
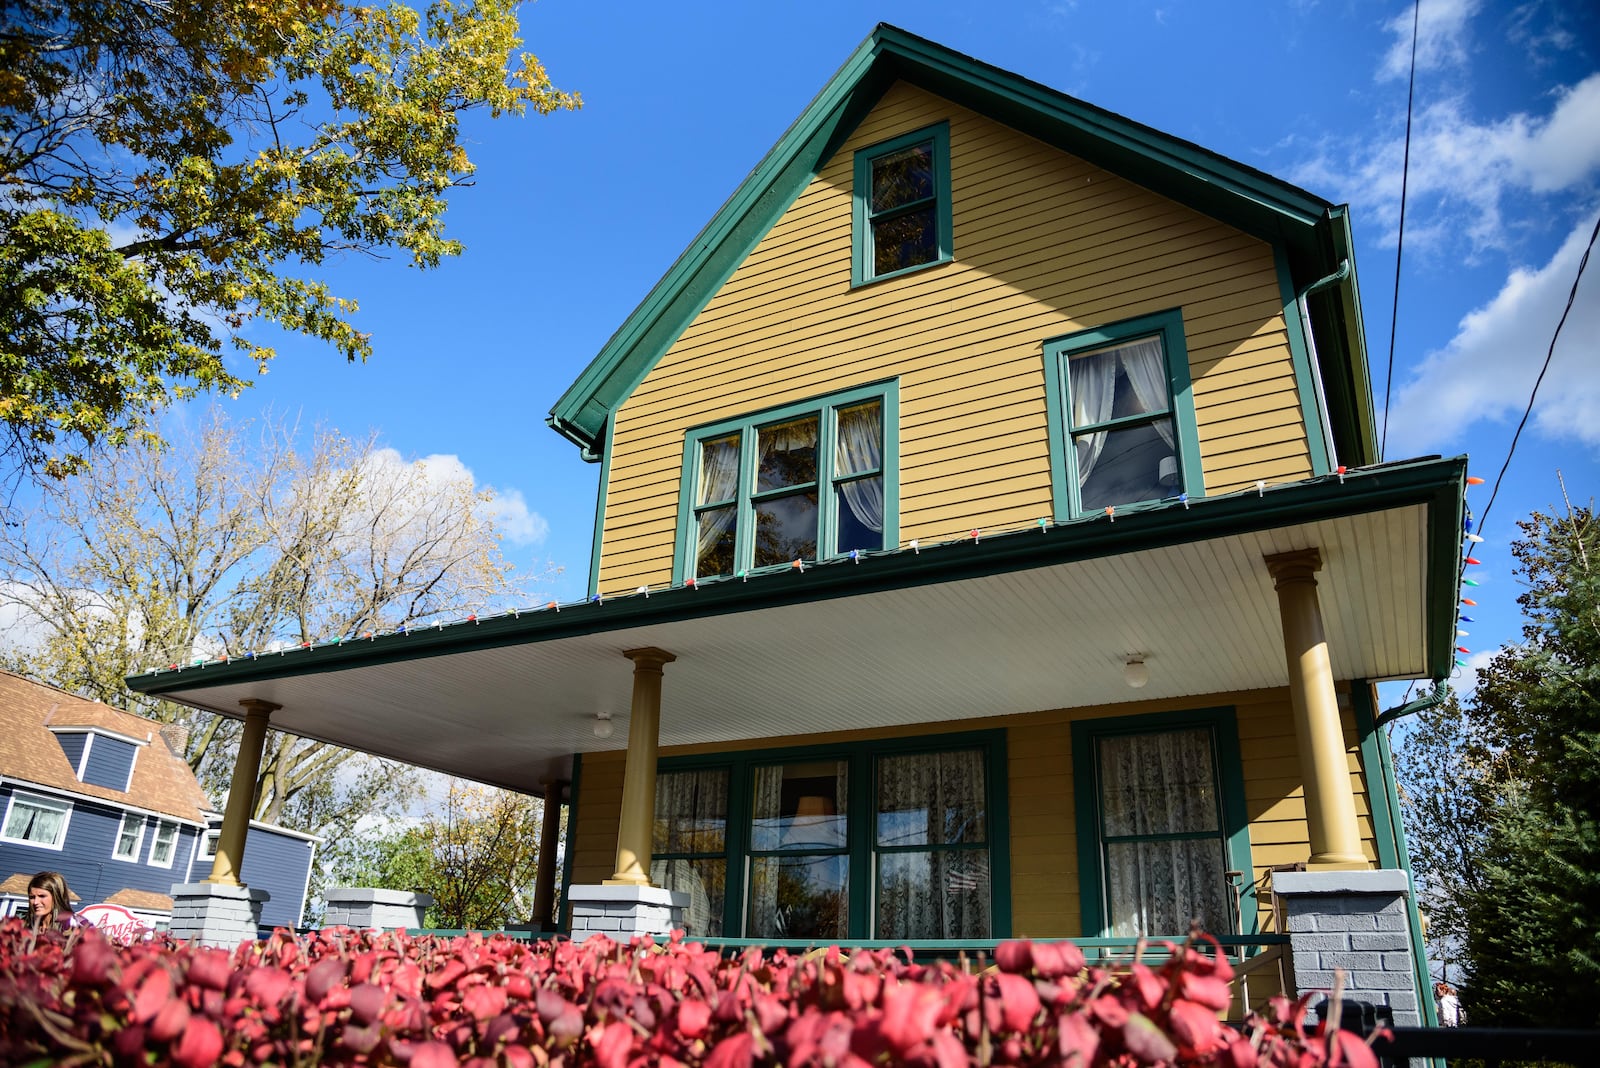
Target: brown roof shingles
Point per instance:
(162, 782)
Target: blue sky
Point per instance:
(575, 216)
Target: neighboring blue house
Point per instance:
(104, 797)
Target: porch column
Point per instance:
(544, 884)
(639, 776)
(242, 794)
(1324, 766)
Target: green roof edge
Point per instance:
(1437, 483)
(1307, 226)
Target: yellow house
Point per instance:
(991, 542)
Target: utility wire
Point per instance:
(1571, 299)
(1400, 241)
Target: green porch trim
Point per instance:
(1438, 484)
(598, 542)
(1057, 351)
(1310, 229)
(1374, 770)
(1340, 335)
(565, 923)
(885, 391)
(861, 247)
(1305, 382)
(859, 757)
(1223, 725)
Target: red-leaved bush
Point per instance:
(343, 997)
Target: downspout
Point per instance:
(1440, 691)
(1304, 309)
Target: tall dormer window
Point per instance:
(902, 205)
(804, 482)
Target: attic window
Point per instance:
(902, 205)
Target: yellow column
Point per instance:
(1324, 766)
(544, 883)
(639, 777)
(242, 794)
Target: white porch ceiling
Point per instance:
(1203, 613)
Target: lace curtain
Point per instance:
(691, 817)
(932, 799)
(1156, 785)
(719, 481)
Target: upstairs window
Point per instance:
(902, 205)
(165, 844)
(37, 821)
(805, 482)
(130, 836)
(1122, 427)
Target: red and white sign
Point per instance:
(117, 923)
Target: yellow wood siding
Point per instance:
(1045, 245)
(1044, 838)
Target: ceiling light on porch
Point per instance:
(602, 725)
(1134, 671)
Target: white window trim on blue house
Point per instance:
(155, 840)
(64, 807)
(138, 841)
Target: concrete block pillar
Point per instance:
(622, 911)
(216, 914)
(1354, 921)
(365, 907)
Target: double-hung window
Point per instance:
(130, 836)
(888, 840)
(902, 205)
(164, 846)
(1122, 426)
(1161, 824)
(803, 482)
(36, 821)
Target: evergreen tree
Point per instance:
(1533, 922)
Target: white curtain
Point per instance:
(34, 823)
(1094, 389)
(719, 480)
(1146, 365)
(785, 437)
(860, 449)
(1155, 784)
(932, 799)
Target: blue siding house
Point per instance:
(105, 797)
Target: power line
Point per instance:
(1571, 299)
(1400, 241)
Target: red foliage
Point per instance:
(347, 998)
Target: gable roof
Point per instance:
(1314, 233)
(29, 753)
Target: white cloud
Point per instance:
(1488, 368)
(442, 472)
(1462, 171)
(1441, 32)
(1464, 680)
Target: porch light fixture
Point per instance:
(603, 727)
(1134, 672)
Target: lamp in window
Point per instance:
(1167, 471)
(813, 822)
(603, 727)
(1135, 672)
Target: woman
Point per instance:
(49, 902)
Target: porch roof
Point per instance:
(1002, 624)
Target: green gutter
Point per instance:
(1436, 696)
(1438, 484)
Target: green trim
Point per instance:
(600, 511)
(1437, 484)
(1252, 201)
(1304, 376)
(1058, 403)
(860, 758)
(1223, 725)
(886, 393)
(1374, 772)
(862, 250)
(565, 923)
(1340, 336)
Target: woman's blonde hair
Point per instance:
(56, 883)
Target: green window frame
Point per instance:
(746, 503)
(860, 850)
(1065, 433)
(1233, 831)
(925, 205)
